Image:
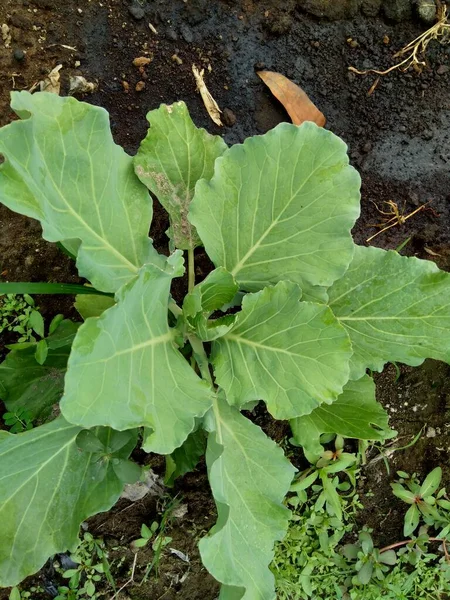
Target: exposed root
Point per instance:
(396, 217)
(415, 51)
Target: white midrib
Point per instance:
(240, 265)
(78, 217)
(241, 340)
(161, 339)
(388, 318)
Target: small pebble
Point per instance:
(171, 34)
(136, 11)
(431, 432)
(140, 86)
(186, 34)
(19, 54)
(402, 129)
(442, 69)
(367, 147)
(427, 10)
(427, 135)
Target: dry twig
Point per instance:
(396, 217)
(131, 580)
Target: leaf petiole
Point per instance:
(201, 359)
(191, 270)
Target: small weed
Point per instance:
(16, 594)
(156, 534)
(90, 566)
(428, 504)
(311, 562)
(18, 421)
(18, 314)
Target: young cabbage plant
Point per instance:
(311, 313)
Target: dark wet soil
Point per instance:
(397, 129)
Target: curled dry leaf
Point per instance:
(150, 484)
(296, 102)
(51, 82)
(80, 85)
(211, 105)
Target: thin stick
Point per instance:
(405, 542)
(131, 580)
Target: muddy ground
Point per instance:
(398, 137)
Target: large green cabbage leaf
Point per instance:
(280, 207)
(394, 308)
(62, 167)
(291, 354)
(47, 488)
(125, 370)
(249, 477)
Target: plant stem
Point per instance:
(200, 358)
(191, 270)
(174, 308)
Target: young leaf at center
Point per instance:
(171, 159)
(216, 290)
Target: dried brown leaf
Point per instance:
(51, 82)
(296, 102)
(211, 105)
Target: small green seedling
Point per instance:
(146, 535)
(157, 534)
(92, 567)
(19, 314)
(425, 504)
(18, 421)
(370, 562)
(326, 468)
